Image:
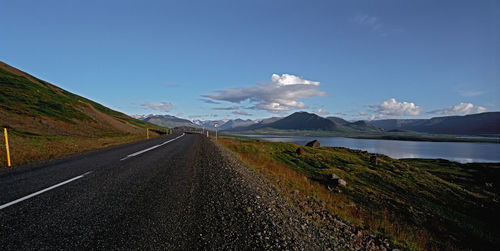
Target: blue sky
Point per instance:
(216, 59)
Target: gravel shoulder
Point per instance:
(333, 234)
(252, 214)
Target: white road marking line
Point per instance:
(42, 191)
(149, 149)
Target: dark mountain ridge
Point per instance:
(305, 121)
(487, 123)
(338, 120)
(310, 122)
(474, 124)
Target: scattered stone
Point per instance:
(342, 182)
(338, 181)
(299, 151)
(313, 144)
(373, 160)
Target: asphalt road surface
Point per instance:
(180, 191)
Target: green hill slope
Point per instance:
(46, 121)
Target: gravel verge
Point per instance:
(291, 224)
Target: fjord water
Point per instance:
(463, 152)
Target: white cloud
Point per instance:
(287, 79)
(243, 113)
(163, 106)
(279, 95)
(321, 112)
(460, 109)
(392, 107)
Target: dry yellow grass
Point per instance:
(312, 197)
(25, 149)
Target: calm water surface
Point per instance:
(463, 152)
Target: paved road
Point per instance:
(180, 194)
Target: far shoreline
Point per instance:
(410, 136)
(413, 151)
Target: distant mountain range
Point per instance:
(166, 120)
(210, 124)
(476, 124)
(310, 122)
(482, 123)
(236, 123)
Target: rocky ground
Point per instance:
(288, 227)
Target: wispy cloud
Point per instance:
(172, 85)
(234, 107)
(471, 93)
(459, 109)
(242, 113)
(279, 95)
(392, 107)
(209, 101)
(202, 116)
(372, 22)
(162, 106)
(321, 112)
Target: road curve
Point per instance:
(184, 193)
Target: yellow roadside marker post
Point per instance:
(215, 132)
(207, 134)
(7, 146)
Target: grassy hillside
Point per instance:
(418, 204)
(45, 121)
